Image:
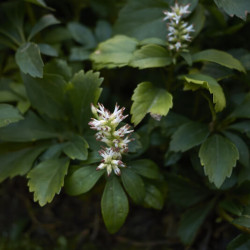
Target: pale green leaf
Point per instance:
(150, 56)
(196, 81)
(148, 98)
(9, 114)
(217, 56)
(82, 180)
(240, 8)
(188, 136)
(218, 155)
(114, 205)
(44, 22)
(133, 185)
(77, 148)
(47, 179)
(29, 60)
(114, 52)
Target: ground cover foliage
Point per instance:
(182, 71)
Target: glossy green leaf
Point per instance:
(83, 90)
(218, 155)
(114, 52)
(18, 161)
(191, 221)
(153, 197)
(76, 148)
(145, 168)
(221, 57)
(150, 56)
(241, 146)
(31, 128)
(29, 60)
(82, 34)
(43, 23)
(9, 114)
(149, 99)
(133, 184)
(114, 205)
(188, 136)
(48, 50)
(47, 179)
(47, 94)
(82, 180)
(241, 242)
(196, 81)
(240, 8)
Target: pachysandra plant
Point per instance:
(117, 142)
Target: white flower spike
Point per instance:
(178, 30)
(105, 123)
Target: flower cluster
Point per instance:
(106, 123)
(178, 30)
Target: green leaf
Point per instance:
(192, 220)
(242, 127)
(241, 146)
(40, 3)
(103, 30)
(82, 35)
(242, 110)
(114, 52)
(145, 168)
(43, 23)
(188, 136)
(82, 180)
(47, 179)
(31, 128)
(47, 94)
(9, 114)
(244, 219)
(17, 160)
(240, 8)
(79, 54)
(153, 197)
(218, 155)
(196, 81)
(77, 148)
(29, 60)
(47, 50)
(148, 98)
(114, 205)
(83, 90)
(221, 57)
(133, 185)
(241, 242)
(150, 56)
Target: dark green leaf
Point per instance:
(18, 161)
(82, 35)
(40, 3)
(150, 56)
(44, 22)
(239, 8)
(188, 136)
(103, 30)
(47, 179)
(145, 168)
(9, 114)
(242, 110)
(218, 155)
(149, 99)
(82, 180)
(114, 205)
(76, 148)
(153, 197)
(79, 54)
(47, 94)
(48, 50)
(196, 81)
(115, 52)
(192, 220)
(32, 128)
(241, 242)
(83, 90)
(133, 185)
(220, 57)
(29, 60)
